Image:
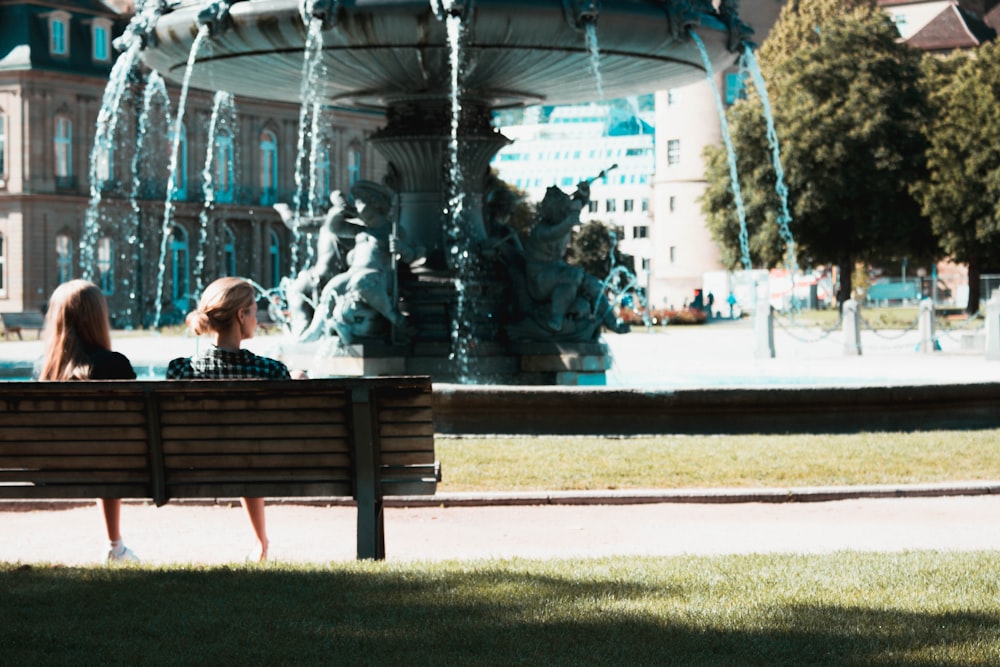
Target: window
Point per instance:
(672, 203)
(322, 176)
(353, 166)
(610, 205)
(645, 205)
(592, 206)
(180, 174)
(673, 254)
(735, 87)
(64, 149)
(640, 232)
(673, 97)
(59, 33)
(104, 171)
(673, 152)
(64, 258)
(106, 265)
(268, 168)
(179, 268)
(3, 266)
(274, 252)
(628, 205)
(3, 151)
(224, 167)
(100, 32)
(229, 251)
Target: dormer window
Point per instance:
(59, 33)
(100, 32)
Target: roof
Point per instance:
(954, 28)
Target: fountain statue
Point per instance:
(437, 69)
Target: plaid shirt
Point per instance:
(219, 364)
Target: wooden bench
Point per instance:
(365, 438)
(17, 322)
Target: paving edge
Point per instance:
(608, 497)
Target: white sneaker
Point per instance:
(123, 555)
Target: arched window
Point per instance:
(100, 32)
(274, 252)
(229, 251)
(59, 33)
(268, 168)
(224, 166)
(180, 175)
(104, 169)
(64, 258)
(179, 268)
(63, 144)
(3, 149)
(353, 165)
(106, 265)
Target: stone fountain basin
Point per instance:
(515, 51)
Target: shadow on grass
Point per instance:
(457, 614)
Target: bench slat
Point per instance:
(180, 403)
(179, 477)
(405, 398)
(255, 462)
(72, 419)
(294, 489)
(407, 430)
(71, 447)
(70, 462)
(53, 433)
(405, 415)
(88, 475)
(407, 458)
(26, 405)
(312, 416)
(257, 446)
(407, 444)
(234, 431)
(88, 491)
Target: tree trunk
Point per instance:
(846, 264)
(975, 270)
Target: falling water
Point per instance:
(100, 154)
(730, 151)
(308, 139)
(168, 209)
(223, 112)
(590, 34)
(748, 62)
(462, 342)
(621, 283)
(155, 90)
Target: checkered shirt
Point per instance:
(219, 364)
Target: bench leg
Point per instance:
(371, 530)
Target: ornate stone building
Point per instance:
(55, 61)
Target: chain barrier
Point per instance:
(823, 333)
(867, 325)
(951, 331)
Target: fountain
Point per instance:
(437, 70)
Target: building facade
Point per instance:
(69, 210)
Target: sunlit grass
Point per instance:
(520, 463)
(872, 609)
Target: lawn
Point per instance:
(839, 609)
(502, 463)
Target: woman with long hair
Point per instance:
(78, 347)
(227, 312)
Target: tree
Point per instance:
(849, 113)
(961, 194)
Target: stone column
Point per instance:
(928, 342)
(992, 327)
(852, 328)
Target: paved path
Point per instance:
(307, 534)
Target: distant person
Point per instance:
(228, 313)
(709, 303)
(78, 347)
(731, 300)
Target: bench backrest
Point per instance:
(358, 437)
(28, 320)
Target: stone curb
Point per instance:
(610, 497)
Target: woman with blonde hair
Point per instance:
(227, 313)
(78, 347)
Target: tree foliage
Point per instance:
(961, 194)
(849, 114)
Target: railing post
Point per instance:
(763, 325)
(992, 326)
(928, 343)
(852, 328)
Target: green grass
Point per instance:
(841, 609)
(738, 461)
